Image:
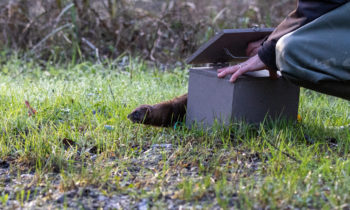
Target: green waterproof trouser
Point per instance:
(317, 55)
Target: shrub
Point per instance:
(159, 30)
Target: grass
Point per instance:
(80, 137)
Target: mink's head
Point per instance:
(140, 114)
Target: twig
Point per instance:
(50, 35)
(92, 46)
(28, 25)
(285, 153)
(57, 20)
(110, 89)
(155, 44)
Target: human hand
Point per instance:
(253, 48)
(252, 64)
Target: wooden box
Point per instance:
(253, 98)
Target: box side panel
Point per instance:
(272, 99)
(209, 99)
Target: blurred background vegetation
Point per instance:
(165, 31)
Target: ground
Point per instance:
(78, 150)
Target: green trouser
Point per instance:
(317, 55)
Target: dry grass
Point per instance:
(162, 31)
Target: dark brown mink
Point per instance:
(164, 114)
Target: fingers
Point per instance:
(221, 70)
(238, 73)
(252, 64)
(228, 70)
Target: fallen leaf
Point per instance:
(299, 118)
(31, 110)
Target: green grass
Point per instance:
(278, 165)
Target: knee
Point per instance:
(284, 52)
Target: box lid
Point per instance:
(228, 45)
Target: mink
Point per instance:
(164, 114)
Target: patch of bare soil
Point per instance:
(150, 180)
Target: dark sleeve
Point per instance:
(306, 11)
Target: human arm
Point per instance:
(252, 64)
(307, 11)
